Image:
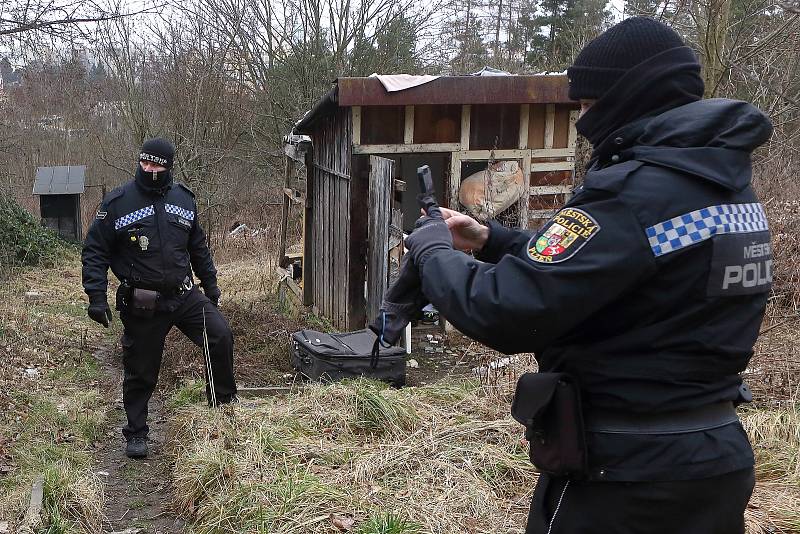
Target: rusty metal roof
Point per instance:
(541, 89)
(346, 92)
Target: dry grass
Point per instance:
(444, 458)
(51, 409)
(775, 435)
(774, 509)
(440, 458)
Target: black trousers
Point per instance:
(143, 346)
(705, 506)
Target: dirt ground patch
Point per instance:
(138, 492)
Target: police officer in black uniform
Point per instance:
(644, 295)
(148, 232)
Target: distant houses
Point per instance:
(8, 75)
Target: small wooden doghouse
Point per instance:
(361, 187)
(60, 189)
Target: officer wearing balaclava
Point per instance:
(148, 232)
(641, 298)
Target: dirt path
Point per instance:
(137, 491)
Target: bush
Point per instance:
(25, 242)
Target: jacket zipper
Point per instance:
(158, 206)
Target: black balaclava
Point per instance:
(161, 152)
(637, 69)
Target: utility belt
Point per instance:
(141, 302)
(678, 422)
(549, 405)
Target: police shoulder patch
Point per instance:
(101, 215)
(564, 235)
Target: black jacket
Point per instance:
(150, 239)
(649, 286)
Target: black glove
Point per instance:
(98, 309)
(431, 234)
(401, 304)
(213, 294)
(427, 201)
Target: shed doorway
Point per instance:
(405, 169)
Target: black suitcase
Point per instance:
(332, 357)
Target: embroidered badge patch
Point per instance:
(102, 215)
(563, 236)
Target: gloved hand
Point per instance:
(401, 304)
(431, 234)
(468, 234)
(98, 309)
(213, 294)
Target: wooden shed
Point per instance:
(360, 188)
(60, 189)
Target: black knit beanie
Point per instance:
(608, 57)
(161, 152)
(158, 151)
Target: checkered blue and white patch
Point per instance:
(699, 225)
(179, 211)
(131, 218)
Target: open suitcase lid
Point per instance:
(358, 343)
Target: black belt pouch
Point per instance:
(143, 302)
(549, 405)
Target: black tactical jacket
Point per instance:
(649, 286)
(149, 239)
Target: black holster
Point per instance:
(124, 296)
(549, 405)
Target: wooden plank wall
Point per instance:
(381, 176)
(330, 229)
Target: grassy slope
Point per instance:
(51, 409)
(443, 458)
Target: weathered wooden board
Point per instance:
(406, 149)
(357, 247)
(382, 125)
(536, 126)
(330, 230)
(437, 124)
(381, 176)
(494, 126)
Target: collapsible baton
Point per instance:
(207, 354)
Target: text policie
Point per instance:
(753, 274)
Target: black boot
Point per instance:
(136, 447)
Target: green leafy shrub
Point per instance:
(24, 241)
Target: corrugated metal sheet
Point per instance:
(61, 180)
